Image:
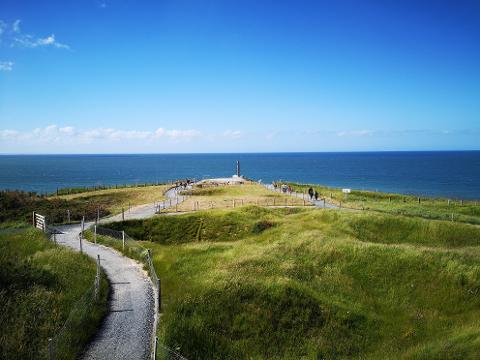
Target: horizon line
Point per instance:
(241, 153)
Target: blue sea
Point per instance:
(453, 174)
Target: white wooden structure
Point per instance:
(39, 221)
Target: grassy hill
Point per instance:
(43, 286)
(222, 197)
(255, 283)
(467, 211)
(17, 206)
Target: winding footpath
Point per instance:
(127, 329)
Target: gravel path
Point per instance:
(147, 210)
(317, 203)
(127, 329)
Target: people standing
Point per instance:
(316, 195)
(310, 193)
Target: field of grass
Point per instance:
(17, 206)
(429, 208)
(263, 283)
(84, 189)
(46, 288)
(113, 200)
(223, 197)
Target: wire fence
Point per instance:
(134, 249)
(66, 340)
(162, 352)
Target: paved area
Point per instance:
(127, 329)
(317, 203)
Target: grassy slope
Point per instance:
(223, 196)
(429, 208)
(292, 283)
(116, 199)
(16, 206)
(41, 284)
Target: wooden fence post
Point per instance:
(33, 219)
(51, 350)
(123, 214)
(95, 233)
(159, 288)
(83, 225)
(97, 278)
(68, 216)
(123, 240)
(155, 348)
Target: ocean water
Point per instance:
(454, 174)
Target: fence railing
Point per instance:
(169, 203)
(162, 352)
(131, 247)
(64, 339)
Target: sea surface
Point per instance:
(453, 174)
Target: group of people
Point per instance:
(285, 188)
(314, 194)
(183, 183)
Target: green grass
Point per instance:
(46, 288)
(408, 205)
(222, 197)
(315, 284)
(17, 206)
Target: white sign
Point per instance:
(346, 191)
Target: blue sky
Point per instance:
(238, 76)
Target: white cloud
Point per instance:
(16, 26)
(355, 133)
(14, 37)
(70, 135)
(29, 41)
(233, 134)
(67, 130)
(6, 65)
(176, 134)
(8, 134)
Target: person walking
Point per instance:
(310, 193)
(316, 195)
